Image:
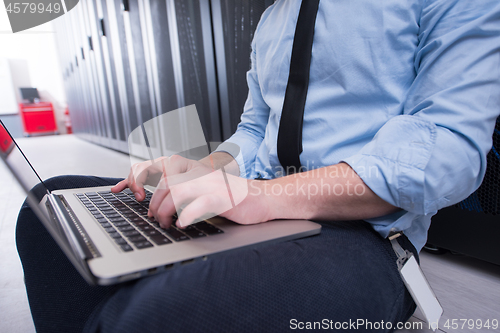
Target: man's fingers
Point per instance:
(183, 194)
(163, 189)
(165, 212)
(167, 200)
(183, 182)
(146, 172)
(201, 198)
(120, 186)
(158, 196)
(137, 178)
(199, 209)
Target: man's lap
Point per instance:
(264, 288)
(347, 272)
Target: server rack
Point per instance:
(125, 62)
(109, 54)
(234, 25)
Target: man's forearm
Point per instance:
(331, 193)
(222, 160)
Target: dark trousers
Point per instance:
(346, 273)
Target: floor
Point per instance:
(467, 288)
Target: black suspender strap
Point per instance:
(290, 130)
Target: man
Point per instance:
(400, 109)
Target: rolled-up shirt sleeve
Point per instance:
(252, 127)
(434, 154)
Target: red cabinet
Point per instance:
(38, 118)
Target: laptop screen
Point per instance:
(15, 160)
(21, 168)
(6, 142)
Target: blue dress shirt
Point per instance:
(405, 92)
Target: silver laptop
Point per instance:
(109, 238)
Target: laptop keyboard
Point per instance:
(126, 222)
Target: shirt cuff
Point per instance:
(392, 164)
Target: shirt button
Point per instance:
(279, 173)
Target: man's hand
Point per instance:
(216, 193)
(150, 173)
(174, 168)
(195, 190)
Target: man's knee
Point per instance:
(68, 182)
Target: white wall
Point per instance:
(36, 45)
(8, 102)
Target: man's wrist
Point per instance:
(270, 198)
(221, 160)
(259, 193)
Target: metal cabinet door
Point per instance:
(79, 94)
(196, 61)
(94, 70)
(141, 74)
(112, 72)
(159, 23)
(234, 25)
